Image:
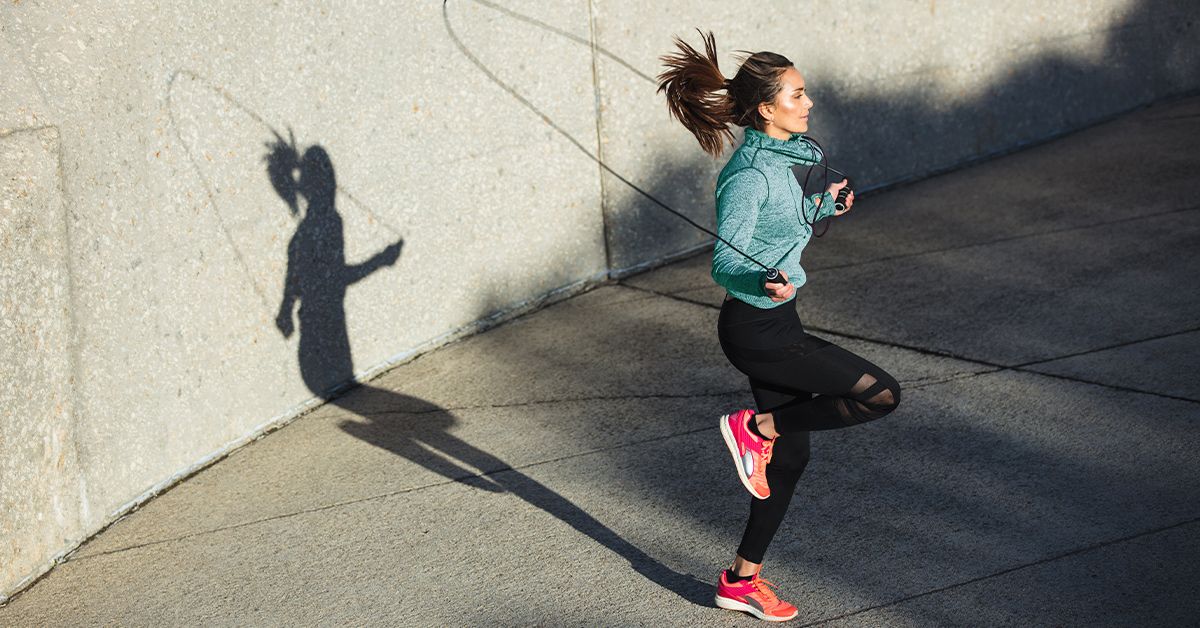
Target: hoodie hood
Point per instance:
(794, 150)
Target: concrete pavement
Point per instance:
(1040, 310)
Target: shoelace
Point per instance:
(768, 449)
(763, 586)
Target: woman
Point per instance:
(800, 382)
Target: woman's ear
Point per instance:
(766, 111)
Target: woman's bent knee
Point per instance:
(880, 399)
(889, 398)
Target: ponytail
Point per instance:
(706, 103)
(694, 86)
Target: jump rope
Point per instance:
(772, 274)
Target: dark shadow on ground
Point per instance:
(317, 278)
(430, 444)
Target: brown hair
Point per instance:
(693, 83)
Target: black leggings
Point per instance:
(807, 383)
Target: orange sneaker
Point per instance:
(753, 596)
(750, 453)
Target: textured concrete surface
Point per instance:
(565, 467)
(1146, 365)
(40, 496)
(519, 382)
(453, 203)
(242, 207)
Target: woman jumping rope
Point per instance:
(800, 382)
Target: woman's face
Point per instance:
(789, 113)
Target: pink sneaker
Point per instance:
(751, 454)
(753, 596)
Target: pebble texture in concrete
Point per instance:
(565, 467)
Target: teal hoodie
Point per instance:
(758, 210)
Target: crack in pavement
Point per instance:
(380, 496)
(896, 345)
(915, 384)
(1080, 380)
(538, 402)
(1115, 346)
(1024, 236)
(993, 367)
(919, 384)
(1049, 559)
(911, 384)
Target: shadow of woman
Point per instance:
(317, 278)
(317, 273)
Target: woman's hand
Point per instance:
(833, 191)
(780, 292)
(284, 323)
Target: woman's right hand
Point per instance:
(780, 292)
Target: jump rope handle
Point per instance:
(773, 276)
(839, 204)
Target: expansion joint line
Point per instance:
(350, 502)
(992, 367)
(1074, 552)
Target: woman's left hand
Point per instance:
(833, 191)
(849, 202)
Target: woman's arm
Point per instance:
(356, 272)
(291, 292)
(739, 200)
(818, 206)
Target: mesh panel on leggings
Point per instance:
(870, 400)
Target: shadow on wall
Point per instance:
(1144, 57)
(317, 279)
(317, 273)
(882, 140)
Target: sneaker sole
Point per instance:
(734, 605)
(731, 444)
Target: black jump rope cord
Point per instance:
(772, 273)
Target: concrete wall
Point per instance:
(146, 252)
(901, 89)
